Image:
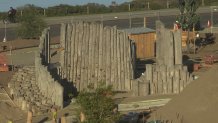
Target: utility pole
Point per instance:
(87, 9)
(44, 12)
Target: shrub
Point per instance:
(97, 105)
(31, 26)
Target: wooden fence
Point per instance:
(93, 54)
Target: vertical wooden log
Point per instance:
(149, 72)
(90, 54)
(168, 48)
(112, 61)
(100, 60)
(170, 74)
(65, 52)
(81, 33)
(126, 63)
(76, 56)
(163, 71)
(83, 56)
(69, 33)
(86, 59)
(93, 44)
(184, 75)
(159, 42)
(176, 79)
(104, 54)
(108, 76)
(178, 46)
(62, 43)
(143, 88)
(135, 88)
(122, 60)
(119, 61)
(115, 48)
(96, 53)
(73, 35)
(154, 84)
(131, 63)
(29, 117)
(48, 47)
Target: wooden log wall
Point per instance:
(168, 75)
(94, 54)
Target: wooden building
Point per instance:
(144, 39)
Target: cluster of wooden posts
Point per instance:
(93, 53)
(168, 75)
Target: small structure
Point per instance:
(145, 41)
(168, 75)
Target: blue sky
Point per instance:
(6, 4)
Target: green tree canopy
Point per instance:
(31, 24)
(188, 17)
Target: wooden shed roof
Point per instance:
(138, 30)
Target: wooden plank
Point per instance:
(142, 105)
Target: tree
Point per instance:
(188, 17)
(31, 24)
(97, 104)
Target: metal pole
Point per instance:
(130, 21)
(5, 38)
(5, 31)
